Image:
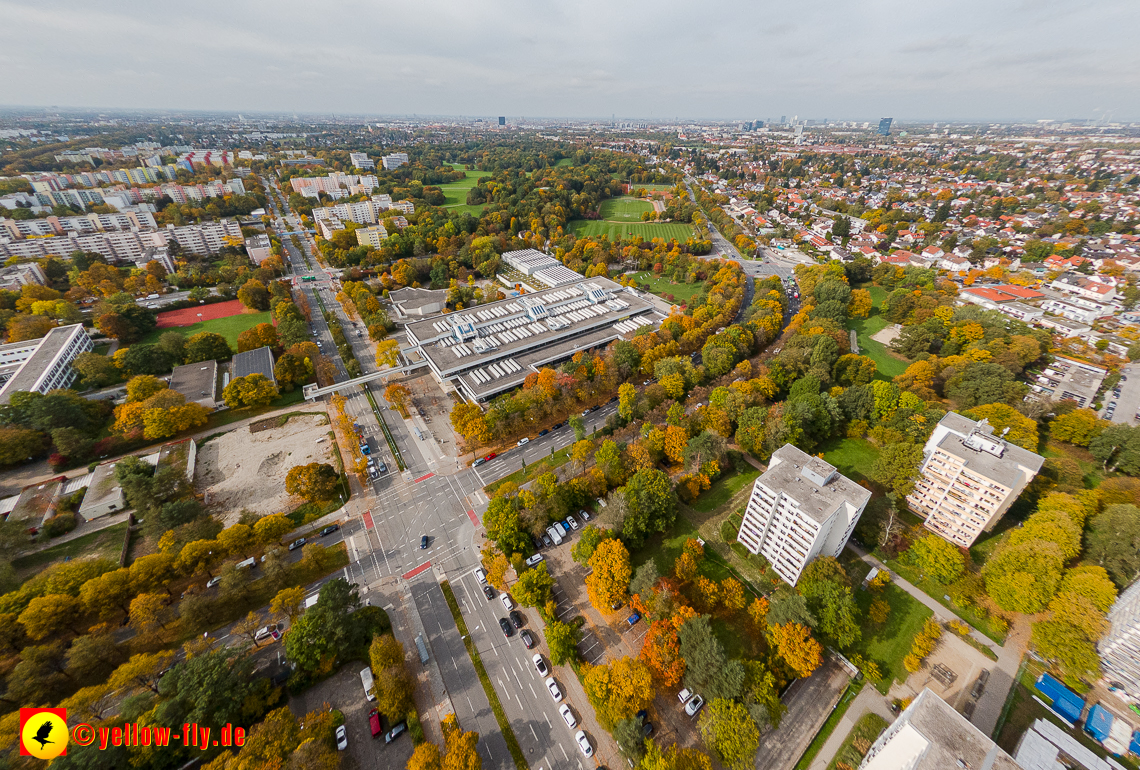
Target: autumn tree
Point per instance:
(796, 647)
(1023, 578)
(1079, 427)
(288, 602)
(938, 558)
(251, 390)
(588, 541)
(729, 730)
(260, 336)
(270, 529)
(254, 295)
(315, 482)
(608, 583)
(148, 612)
(50, 615)
(618, 690)
(661, 651)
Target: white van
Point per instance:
(249, 563)
(311, 601)
(555, 535)
(366, 680)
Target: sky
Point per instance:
(967, 60)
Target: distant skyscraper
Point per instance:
(783, 120)
(502, 121)
(885, 126)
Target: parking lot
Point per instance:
(1128, 402)
(344, 691)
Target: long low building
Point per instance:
(47, 365)
(490, 349)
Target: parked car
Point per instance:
(585, 515)
(395, 732)
(523, 440)
(528, 640)
(584, 743)
(553, 687)
(694, 705)
(567, 716)
(516, 618)
(980, 684)
(632, 619)
(572, 522)
(540, 665)
(557, 425)
(341, 738)
(478, 462)
(329, 530)
(537, 542)
(489, 592)
(536, 559)
(298, 543)
(546, 541)
(424, 542)
(507, 602)
(215, 580)
(543, 432)
(481, 576)
(490, 457)
(506, 626)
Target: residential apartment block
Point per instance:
(366, 212)
(361, 160)
(371, 236)
(931, 735)
(801, 508)
(47, 365)
(1120, 647)
(206, 238)
(335, 185)
(395, 160)
(969, 478)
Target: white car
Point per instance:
(684, 695)
(342, 739)
(572, 522)
(694, 705)
(507, 602)
(553, 687)
(568, 716)
(540, 665)
(584, 743)
(481, 575)
(522, 441)
(533, 560)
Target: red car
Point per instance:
(490, 457)
(374, 723)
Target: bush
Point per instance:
(60, 524)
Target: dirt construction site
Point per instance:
(246, 468)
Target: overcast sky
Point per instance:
(758, 59)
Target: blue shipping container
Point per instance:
(1099, 723)
(1065, 702)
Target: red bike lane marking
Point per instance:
(422, 478)
(474, 519)
(423, 567)
(367, 519)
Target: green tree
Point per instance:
(562, 639)
(207, 346)
(18, 445)
(897, 467)
(254, 295)
(588, 541)
(250, 390)
(1068, 647)
(1023, 578)
(707, 669)
(1112, 541)
(534, 588)
(652, 505)
(728, 729)
(938, 558)
(96, 370)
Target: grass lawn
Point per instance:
(565, 162)
(937, 592)
(665, 548)
(624, 209)
(869, 727)
(889, 643)
(878, 295)
(455, 193)
(889, 365)
(669, 231)
(105, 544)
(682, 292)
(854, 457)
(652, 187)
(229, 327)
(724, 488)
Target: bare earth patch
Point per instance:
(887, 334)
(247, 470)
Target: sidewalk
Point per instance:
(868, 699)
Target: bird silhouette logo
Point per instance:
(43, 733)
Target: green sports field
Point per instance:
(615, 230)
(229, 327)
(624, 209)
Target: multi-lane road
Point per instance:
(439, 498)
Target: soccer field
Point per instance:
(624, 209)
(647, 230)
(229, 327)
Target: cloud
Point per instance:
(715, 59)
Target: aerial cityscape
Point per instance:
(656, 426)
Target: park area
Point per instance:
(228, 319)
(624, 209)
(681, 293)
(889, 364)
(455, 193)
(245, 470)
(668, 231)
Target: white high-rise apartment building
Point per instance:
(361, 160)
(1120, 647)
(969, 478)
(801, 508)
(931, 735)
(395, 160)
